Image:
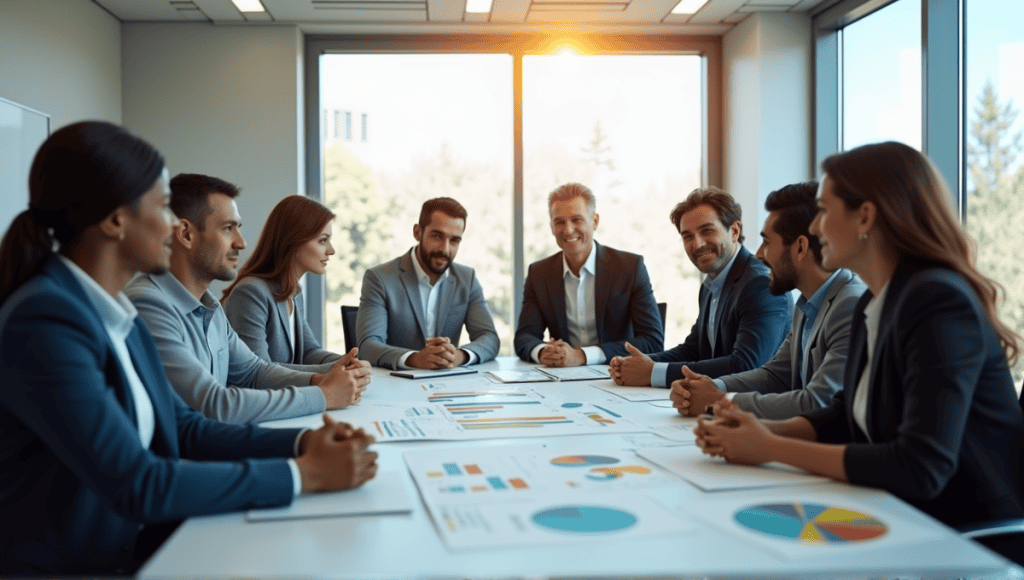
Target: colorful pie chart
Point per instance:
(583, 460)
(812, 523)
(584, 519)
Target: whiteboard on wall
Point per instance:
(22, 131)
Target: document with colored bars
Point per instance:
(536, 495)
(482, 412)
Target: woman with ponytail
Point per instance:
(928, 411)
(91, 434)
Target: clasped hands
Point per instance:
(439, 353)
(335, 457)
(558, 353)
(731, 433)
(344, 384)
(631, 371)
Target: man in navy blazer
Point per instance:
(412, 309)
(740, 325)
(77, 480)
(590, 298)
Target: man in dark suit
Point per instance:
(740, 325)
(590, 298)
(412, 309)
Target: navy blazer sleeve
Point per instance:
(532, 322)
(761, 322)
(644, 319)
(61, 379)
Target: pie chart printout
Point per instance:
(583, 460)
(812, 523)
(584, 520)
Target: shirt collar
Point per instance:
(421, 274)
(118, 314)
(812, 306)
(590, 266)
(716, 284)
(180, 297)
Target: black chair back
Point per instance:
(348, 324)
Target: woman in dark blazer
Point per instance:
(929, 411)
(91, 435)
(264, 304)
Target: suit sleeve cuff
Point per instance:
(471, 358)
(296, 477)
(595, 355)
(535, 353)
(402, 359)
(659, 375)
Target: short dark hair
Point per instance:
(796, 206)
(729, 212)
(445, 205)
(190, 196)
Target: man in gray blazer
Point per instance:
(209, 367)
(808, 368)
(412, 309)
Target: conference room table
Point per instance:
(409, 545)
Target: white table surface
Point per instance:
(407, 546)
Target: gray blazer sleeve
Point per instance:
(275, 397)
(255, 316)
(372, 325)
(828, 359)
(480, 326)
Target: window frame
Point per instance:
(709, 48)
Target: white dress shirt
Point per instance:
(872, 319)
(429, 294)
(580, 310)
(118, 316)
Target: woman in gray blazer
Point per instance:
(264, 303)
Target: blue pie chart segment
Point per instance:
(584, 520)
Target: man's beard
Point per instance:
(428, 260)
(783, 278)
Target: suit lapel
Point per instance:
(601, 288)
(797, 356)
(444, 301)
(282, 323)
(298, 345)
(556, 293)
(706, 348)
(739, 267)
(164, 438)
(412, 292)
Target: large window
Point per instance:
(497, 132)
(882, 77)
(995, 148)
(629, 128)
(959, 102)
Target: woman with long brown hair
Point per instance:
(264, 304)
(929, 411)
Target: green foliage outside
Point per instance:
(995, 203)
(376, 213)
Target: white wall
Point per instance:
(220, 100)
(62, 58)
(768, 85)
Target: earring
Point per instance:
(863, 236)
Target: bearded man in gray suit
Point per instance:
(412, 309)
(808, 368)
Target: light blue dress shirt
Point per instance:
(429, 294)
(659, 374)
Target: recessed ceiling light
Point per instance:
(249, 5)
(688, 6)
(478, 6)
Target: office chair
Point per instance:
(348, 324)
(1006, 536)
(662, 309)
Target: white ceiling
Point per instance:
(323, 16)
